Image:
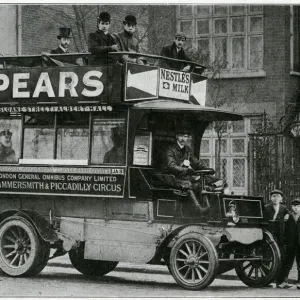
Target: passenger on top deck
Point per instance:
(101, 42)
(175, 51)
(64, 38)
(127, 42)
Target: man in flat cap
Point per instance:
(7, 153)
(276, 214)
(126, 40)
(101, 42)
(64, 38)
(175, 51)
(292, 242)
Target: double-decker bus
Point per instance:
(80, 172)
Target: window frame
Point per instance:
(229, 71)
(293, 34)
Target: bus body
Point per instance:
(81, 161)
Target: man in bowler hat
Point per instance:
(175, 51)
(64, 38)
(126, 41)
(101, 42)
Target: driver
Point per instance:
(183, 165)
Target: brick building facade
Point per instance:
(255, 50)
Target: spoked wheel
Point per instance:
(193, 261)
(260, 273)
(22, 251)
(90, 266)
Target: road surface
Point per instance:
(59, 279)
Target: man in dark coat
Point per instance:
(292, 242)
(181, 162)
(126, 41)
(175, 51)
(101, 42)
(276, 214)
(64, 38)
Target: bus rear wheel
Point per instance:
(22, 251)
(193, 261)
(90, 266)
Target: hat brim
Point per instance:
(64, 36)
(130, 23)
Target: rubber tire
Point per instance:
(38, 254)
(89, 266)
(276, 259)
(212, 259)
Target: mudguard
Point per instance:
(244, 236)
(214, 234)
(40, 223)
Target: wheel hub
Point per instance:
(21, 246)
(192, 261)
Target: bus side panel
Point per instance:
(9, 202)
(127, 241)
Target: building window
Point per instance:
(295, 38)
(230, 36)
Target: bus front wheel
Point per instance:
(22, 251)
(193, 261)
(90, 266)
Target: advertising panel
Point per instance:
(64, 86)
(64, 181)
(174, 84)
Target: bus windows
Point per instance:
(109, 141)
(38, 136)
(10, 140)
(68, 131)
(72, 136)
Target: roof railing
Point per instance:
(47, 60)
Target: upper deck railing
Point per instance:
(69, 79)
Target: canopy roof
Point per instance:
(206, 113)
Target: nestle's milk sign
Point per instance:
(174, 84)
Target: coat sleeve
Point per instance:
(172, 166)
(118, 41)
(95, 46)
(195, 163)
(164, 52)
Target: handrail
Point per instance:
(113, 55)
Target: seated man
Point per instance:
(183, 165)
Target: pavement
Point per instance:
(64, 262)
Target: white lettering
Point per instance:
(98, 85)
(20, 85)
(5, 83)
(68, 86)
(43, 86)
